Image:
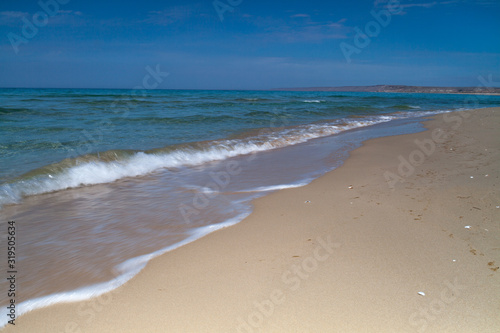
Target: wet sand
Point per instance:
(377, 245)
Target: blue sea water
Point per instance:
(44, 126)
(86, 171)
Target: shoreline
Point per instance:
(251, 268)
(71, 282)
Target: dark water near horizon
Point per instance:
(100, 181)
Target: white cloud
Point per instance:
(278, 30)
(11, 17)
(409, 4)
(169, 16)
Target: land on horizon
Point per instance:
(403, 89)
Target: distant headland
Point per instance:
(404, 89)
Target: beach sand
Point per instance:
(345, 253)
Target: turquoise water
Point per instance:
(41, 127)
(100, 181)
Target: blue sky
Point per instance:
(257, 44)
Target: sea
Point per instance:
(98, 181)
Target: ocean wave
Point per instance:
(358, 109)
(113, 102)
(7, 110)
(179, 120)
(111, 166)
(259, 114)
(339, 96)
(251, 99)
(403, 107)
(71, 95)
(313, 101)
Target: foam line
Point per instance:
(140, 163)
(127, 270)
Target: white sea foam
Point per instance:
(313, 101)
(275, 187)
(91, 173)
(201, 189)
(125, 270)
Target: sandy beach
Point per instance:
(404, 237)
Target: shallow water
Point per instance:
(109, 216)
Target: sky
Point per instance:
(248, 44)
